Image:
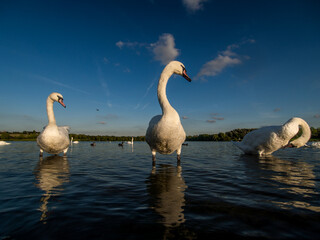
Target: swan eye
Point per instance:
(59, 98)
(183, 68)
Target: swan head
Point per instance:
(57, 97)
(178, 68)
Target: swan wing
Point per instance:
(264, 140)
(153, 122)
(64, 130)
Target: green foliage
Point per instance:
(234, 135)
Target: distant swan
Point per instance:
(266, 140)
(130, 142)
(2, 143)
(54, 139)
(165, 133)
(75, 142)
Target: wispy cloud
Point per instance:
(277, 109)
(193, 5)
(185, 117)
(211, 121)
(226, 58)
(102, 122)
(128, 44)
(49, 80)
(109, 116)
(214, 118)
(316, 116)
(145, 94)
(163, 50)
(218, 118)
(104, 85)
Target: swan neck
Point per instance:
(162, 96)
(296, 123)
(51, 118)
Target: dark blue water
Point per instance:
(110, 192)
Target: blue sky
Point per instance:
(252, 63)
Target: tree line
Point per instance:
(234, 135)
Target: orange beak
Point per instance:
(61, 102)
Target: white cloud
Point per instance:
(164, 49)
(215, 66)
(193, 5)
(226, 58)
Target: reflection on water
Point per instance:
(294, 177)
(50, 174)
(110, 192)
(166, 188)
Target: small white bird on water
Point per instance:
(266, 140)
(54, 139)
(2, 143)
(165, 133)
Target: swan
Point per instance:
(54, 139)
(2, 143)
(165, 133)
(130, 142)
(266, 140)
(71, 141)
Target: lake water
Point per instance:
(112, 192)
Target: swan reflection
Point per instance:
(166, 189)
(50, 174)
(294, 177)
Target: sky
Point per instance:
(252, 63)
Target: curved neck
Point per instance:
(51, 118)
(162, 96)
(294, 124)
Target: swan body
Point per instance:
(165, 133)
(54, 139)
(130, 142)
(266, 140)
(2, 143)
(73, 142)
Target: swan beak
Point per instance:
(61, 102)
(184, 74)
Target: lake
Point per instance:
(112, 192)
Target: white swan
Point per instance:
(54, 139)
(165, 133)
(266, 140)
(71, 141)
(2, 143)
(130, 142)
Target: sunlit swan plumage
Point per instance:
(165, 133)
(54, 139)
(130, 142)
(266, 140)
(4, 143)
